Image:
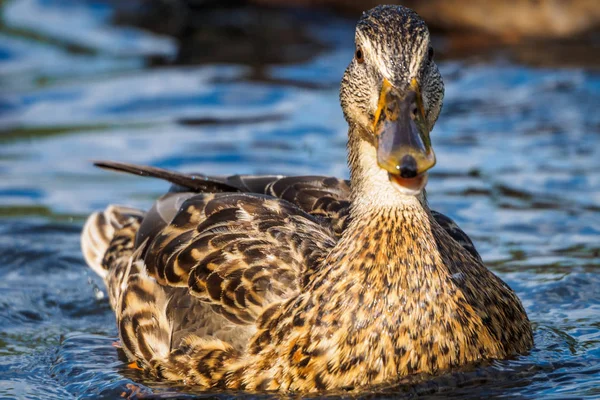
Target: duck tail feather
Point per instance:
(196, 182)
(99, 231)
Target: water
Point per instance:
(518, 168)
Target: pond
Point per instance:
(241, 90)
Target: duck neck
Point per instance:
(390, 248)
(371, 186)
(390, 236)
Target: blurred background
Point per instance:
(238, 87)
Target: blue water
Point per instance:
(518, 168)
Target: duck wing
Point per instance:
(456, 233)
(238, 252)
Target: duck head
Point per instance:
(391, 96)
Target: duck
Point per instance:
(310, 283)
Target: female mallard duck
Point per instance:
(311, 283)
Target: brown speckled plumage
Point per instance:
(307, 283)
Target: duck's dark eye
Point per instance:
(359, 55)
(430, 54)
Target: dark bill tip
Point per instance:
(408, 167)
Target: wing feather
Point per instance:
(238, 252)
(456, 233)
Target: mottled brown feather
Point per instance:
(227, 248)
(305, 283)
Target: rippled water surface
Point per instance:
(224, 92)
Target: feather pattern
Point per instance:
(203, 277)
(308, 283)
(227, 248)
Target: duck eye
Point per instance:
(359, 55)
(430, 54)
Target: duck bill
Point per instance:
(403, 144)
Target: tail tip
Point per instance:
(98, 232)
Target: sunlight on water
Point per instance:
(518, 169)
